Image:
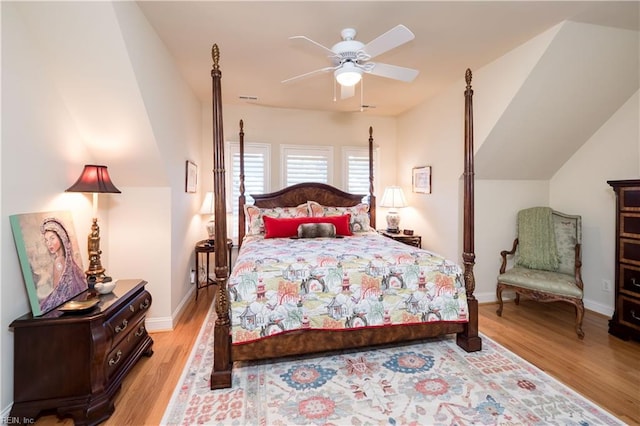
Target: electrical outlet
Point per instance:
(606, 285)
(193, 276)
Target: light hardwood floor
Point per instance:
(603, 368)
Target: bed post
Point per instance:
(221, 374)
(372, 197)
(469, 339)
(241, 198)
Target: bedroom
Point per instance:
(149, 165)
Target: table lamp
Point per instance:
(208, 208)
(94, 179)
(393, 198)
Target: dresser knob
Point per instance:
(634, 316)
(122, 326)
(114, 361)
(145, 304)
(633, 281)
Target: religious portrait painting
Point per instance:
(49, 258)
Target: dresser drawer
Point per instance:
(629, 280)
(120, 353)
(630, 251)
(119, 324)
(629, 312)
(629, 198)
(630, 225)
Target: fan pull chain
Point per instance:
(362, 95)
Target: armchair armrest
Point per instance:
(505, 253)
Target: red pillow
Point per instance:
(275, 227)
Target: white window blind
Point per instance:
(356, 169)
(306, 164)
(256, 172)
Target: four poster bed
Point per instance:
(346, 286)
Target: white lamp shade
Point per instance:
(348, 74)
(393, 197)
(208, 206)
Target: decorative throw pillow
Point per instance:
(288, 227)
(316, 230)
(359, 214)
(254, 215)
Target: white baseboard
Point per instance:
(486, 297)
(168, 323)
(598, 307)
(4, 415)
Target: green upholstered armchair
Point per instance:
(545, 260)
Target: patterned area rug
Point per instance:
(432, 382)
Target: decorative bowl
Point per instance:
(105, 288)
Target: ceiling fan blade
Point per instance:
(393, 71)
(315, 43)
(387, 41)
(309, 74)
(347, 91)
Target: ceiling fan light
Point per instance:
(348, 75)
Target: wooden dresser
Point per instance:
(625, 322)
(74, 364)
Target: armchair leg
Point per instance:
(579, 317)
(499, 297)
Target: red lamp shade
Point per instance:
(94, 179)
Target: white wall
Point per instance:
(42, 154)
(580, 187)
(147, 127)
(433, 135)
(174, 115)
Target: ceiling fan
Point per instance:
(351, 58)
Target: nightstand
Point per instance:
(206, 247)
(412, 240)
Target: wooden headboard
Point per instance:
(294, 195)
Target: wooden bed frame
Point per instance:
(313, 341)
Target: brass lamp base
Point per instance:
(95, 274)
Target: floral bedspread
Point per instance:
(283, 284)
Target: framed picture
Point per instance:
(49, 258)
(422, 179)
(191, 181)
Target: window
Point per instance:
(256, 175)
(355, 161)
(302, 163)
(299, 163)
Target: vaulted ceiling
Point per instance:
(256, 53)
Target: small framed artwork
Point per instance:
(422, 180)
(191, 182)
(49, 258)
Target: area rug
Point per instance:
(432, 382)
